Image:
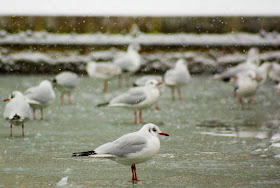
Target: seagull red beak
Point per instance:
(163, 134)
(159, 83)
(7, 99)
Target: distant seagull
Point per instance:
(251, 63)
(246, 86)
(278, 88)
(177, 77)
(143, 80)
(66, 82)
(137, 98)
(39, 97)
(130, 149)
(274, 74)
(263, 72)
(17, 110)
(103, 71)
(129, 61)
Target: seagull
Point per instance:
(251, 63)
(130, 149)
(274, 74)
(65, 82)
(142, 81)
(278, 88)
(103, 71)
(263, 72)
(247, 84)
(137, 98)
(17, 110)
(177, 77)
(129, 61)
(39, 97)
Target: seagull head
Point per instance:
(181, 64)
(45, 83)
(152, 83)
(13, 95)
(152, 129)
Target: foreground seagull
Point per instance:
(129, 61)
(17, 110)
(66, 82)
(130, 149)
(39, 97)
(177, 77)
(137, 98)
(103, 71)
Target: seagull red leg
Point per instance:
(132, 171)
(179, 93)
(173, 93)
(140, 116)
(135, 116)
(11, 130)
(69, 98)
(22, 127)
(61, 98)
(42, 114)
(34, 114)
(105, 86)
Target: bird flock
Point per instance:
(137, 147)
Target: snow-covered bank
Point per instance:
(180, 39)
(210, 61)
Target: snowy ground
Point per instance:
(177, 39)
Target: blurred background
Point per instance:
(50, 36)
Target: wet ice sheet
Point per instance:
(193, 156)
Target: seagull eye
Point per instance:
(154, 130)
(12, 96)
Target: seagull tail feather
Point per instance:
(102, 104)
(85, 153)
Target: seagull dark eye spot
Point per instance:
(154, 130)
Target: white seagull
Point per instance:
(103, 71)
(246, 86)
(274, 74)
(130, 149)
(251, 63)
(177, 77)
(39, 97)
(66, 82)
(17, 110)
(143, 80)
(129, 61)
(137, 98)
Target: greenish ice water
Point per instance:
(212, 142)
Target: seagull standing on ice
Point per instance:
(129, 61)
(247, 84)
(39, 97)
(66, 82)
(177, 77)
(143, 80)
(130, 149)
(17, 110)
(103, 71)
(137, 98)
(251, 63)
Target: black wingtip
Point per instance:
(102, 104)
(82, 154)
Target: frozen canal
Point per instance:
(212, 142)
